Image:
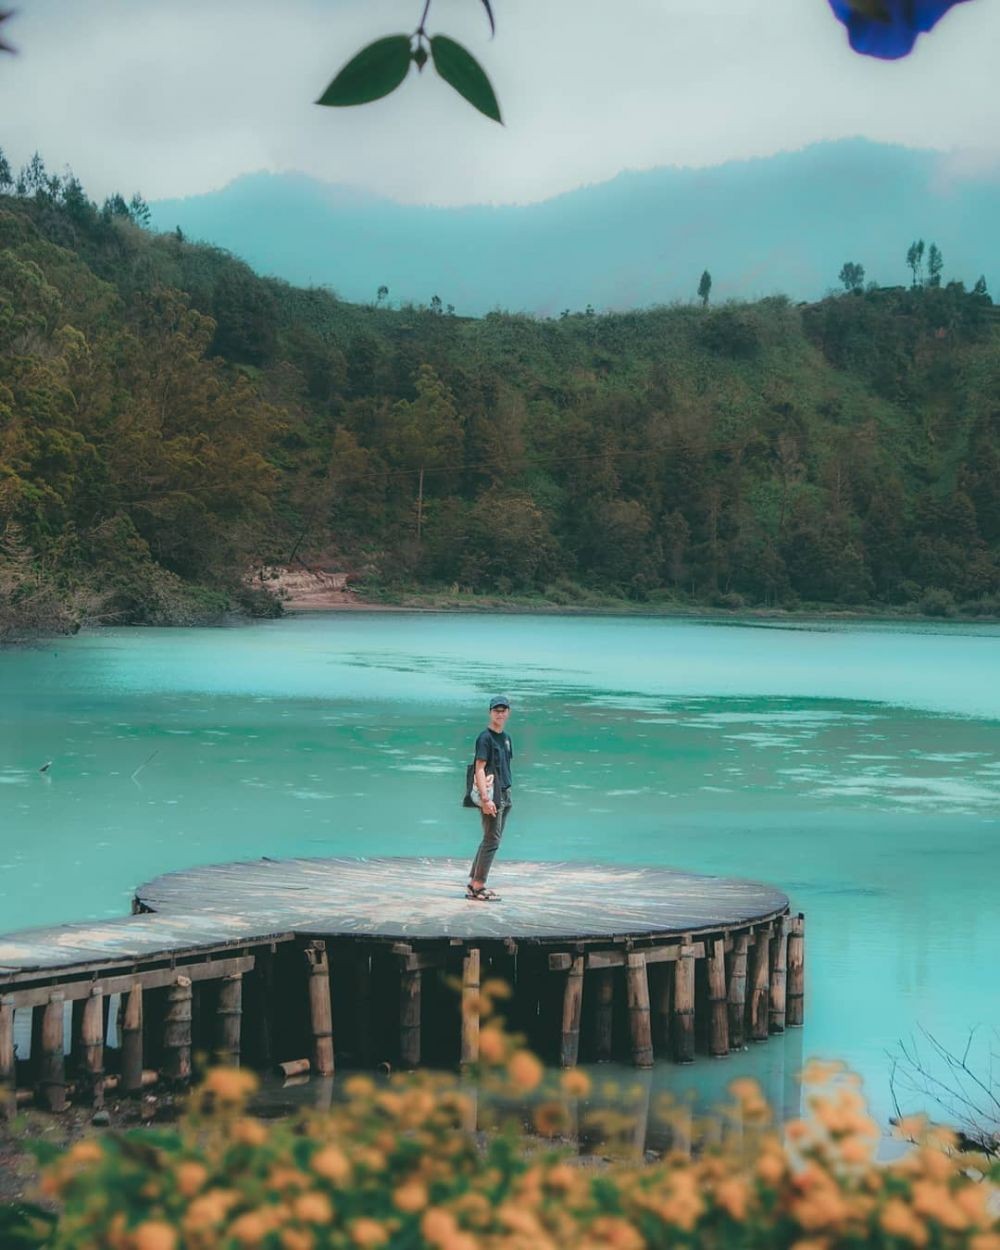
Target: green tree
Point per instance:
(705, 288)
(139, 211)
(935, 264)
(852, 276)
(915, 261)
(425, 435)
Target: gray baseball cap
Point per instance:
(499, 700)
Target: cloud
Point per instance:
(181, 97)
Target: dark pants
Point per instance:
(493, 827)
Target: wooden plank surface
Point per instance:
(425, 898)
(223, 905)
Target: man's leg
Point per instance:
(492, 831)
(493, 827)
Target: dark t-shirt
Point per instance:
(497, 751)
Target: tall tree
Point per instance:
(705, 288)
(852, 276)
(935, 264)
(915, 260)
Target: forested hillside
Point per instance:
(168, 421)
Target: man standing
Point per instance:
(493, 779)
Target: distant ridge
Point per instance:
(784, 223)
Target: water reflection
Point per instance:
(628, 1113)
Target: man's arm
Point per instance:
(483, 782)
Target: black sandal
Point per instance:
(482, 895)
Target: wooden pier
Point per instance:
(308, 964)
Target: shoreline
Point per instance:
(430, 603)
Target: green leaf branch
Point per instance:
(378, 69)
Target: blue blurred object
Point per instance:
(894, 31)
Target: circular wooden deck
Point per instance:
(425, 899)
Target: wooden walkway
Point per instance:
(673, 962)
(425, 898)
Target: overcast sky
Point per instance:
(174, 97)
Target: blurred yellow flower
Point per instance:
(898, 1220)
(496, 988)
(313, 1208)
(438, 1225)
(930, 1198)
(249, 1132)
(561, 1178)
(359, 1087)
(368, 1233)
(368, 1157)
(745, 1087)
(282, 1177)
(823, 1207)
(975, 1202)
(332, 1164)
(517, 1219)
(209, 1209)
(492, 1045)
(549, 1118)
(190, 1177)
(230, 1085)
(525, 1070)
(250, 1228)
(856, 1149)
(576, 1083)
(154, 1235)
(297, 1239)
(771, 1168)
(410, 1197)
(476, 1208)
(733, 1196)
(85, 1152)
(609, 1230)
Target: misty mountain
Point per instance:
(784, 223)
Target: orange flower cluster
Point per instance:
(394, 1166)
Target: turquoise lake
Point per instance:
(855, 766)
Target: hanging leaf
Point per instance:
(489, 14)
(462, 71)
(5, 47)
(375, 72)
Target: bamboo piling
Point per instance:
(604, 998)
(177, 1032)
(637, 986)
(52, 1067)
(8, 1078)
(796, 972)
(718, 1025)
(90, 1073)
(760, 986)
(683, 1015)
(229, 1020)
(470, 1007)
(779, 964)
(131, 1044)
(320, 1007)
(569, 1047)
(737, 992)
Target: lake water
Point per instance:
(855, 766)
